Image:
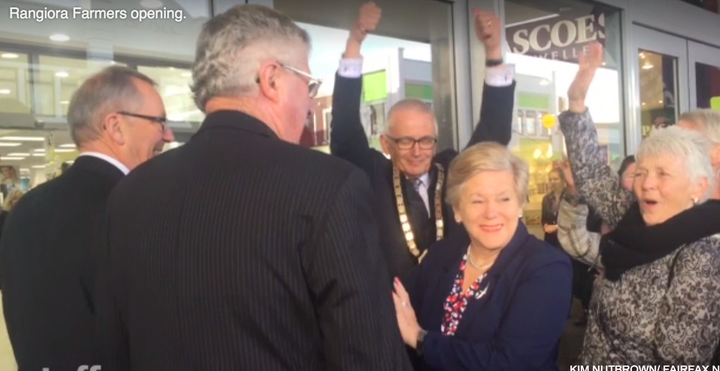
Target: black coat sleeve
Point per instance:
(347, 277)
(496, 115)
(348, 139)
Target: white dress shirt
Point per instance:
(109, 159)
(498, 76)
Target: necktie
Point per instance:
(421, 190)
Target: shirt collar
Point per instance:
(109, 159)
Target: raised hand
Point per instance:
(367, 20)
(567, 173)
(588, 65)
(488, 30)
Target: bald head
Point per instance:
(410, 112)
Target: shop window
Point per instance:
(544, 40)
(408, 56)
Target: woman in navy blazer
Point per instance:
(493, 299)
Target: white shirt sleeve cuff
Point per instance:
(499, 76)
(351, 68)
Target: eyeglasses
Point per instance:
(313, 83)
(156, 119)
(409, 143)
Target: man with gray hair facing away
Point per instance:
(52, 236)
(242, 250)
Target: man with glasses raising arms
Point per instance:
(409, 188)
(54, 234)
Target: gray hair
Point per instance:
(692, 147)
(233, 45)
(487, 156)
(110, 90)
(409, 104)
(707, 120)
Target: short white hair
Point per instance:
(692, 147)
(410, 104)
(233, 45)
(707, 120)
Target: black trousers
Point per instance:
(582, 283)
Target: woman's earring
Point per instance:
(695, 201)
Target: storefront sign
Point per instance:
(557, 38)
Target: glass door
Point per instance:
(662, 85)
(704, 63)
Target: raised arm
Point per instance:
(348, 139)
(595, 180)
(346, 275)
(496, 112)
(581, 244)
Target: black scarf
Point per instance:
(633, 244)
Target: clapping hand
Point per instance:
(488, 30)
(409, 327)
(588, 65)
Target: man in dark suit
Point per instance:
(409, 187)
(242, 250)
(50, 239)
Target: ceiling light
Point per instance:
(8, 158)
(64, 102)
(186, 74)
(8, 55)
(38, 167)
(4, 91)
(63, 150)
(18, 154)
(24, 139)
(67, 145)
(152, 4)
(59, 37)
(643, 103)
(647, 65)
(39, 150)
(61, 74)
(7, 144)
(642, 55)
(660, 101)
(24, 169)
(39, 154)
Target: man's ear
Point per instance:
(114, 127)
(268, 81)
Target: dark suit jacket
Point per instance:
(239, 251)
(349, 142)
(515, 326)
(47, 254)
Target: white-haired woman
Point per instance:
(658, 301)
(706, 121)
(496, 297)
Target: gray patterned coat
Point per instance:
(642, 319)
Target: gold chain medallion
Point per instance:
(405, 221)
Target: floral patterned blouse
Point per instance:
(456, 302)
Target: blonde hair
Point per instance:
(488, 156)
(12, 195)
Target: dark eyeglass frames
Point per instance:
(409, 143)
(156, 119)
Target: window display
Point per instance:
(543, 40)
